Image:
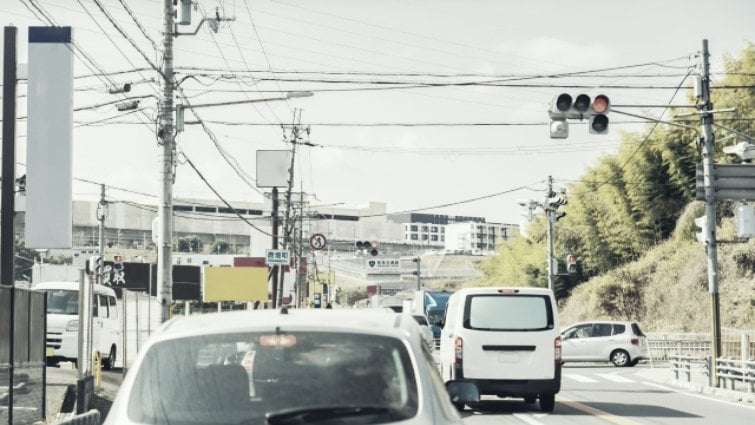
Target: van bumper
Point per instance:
(517, 387)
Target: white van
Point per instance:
(504, 340)
(63, 322)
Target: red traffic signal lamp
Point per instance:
(599, 109)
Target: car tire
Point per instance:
(620, 358)
(109, 361)
(634, 362)
(547, 402)
(530, 399)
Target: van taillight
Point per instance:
(635, 341)
(557, 349)
(458, 350)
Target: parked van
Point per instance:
(504, 340)
(63, 322)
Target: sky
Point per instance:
(433, 106)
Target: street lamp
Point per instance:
(180, 107)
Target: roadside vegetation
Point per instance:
(630, 222)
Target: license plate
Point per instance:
(508, 357)
(50, 352)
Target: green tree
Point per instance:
(24, 260)
(189, 244)
(220, 247)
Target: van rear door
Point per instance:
(509, 335)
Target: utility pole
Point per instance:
(294, 138)
(300, 255)
(549, 218)
(166, 139)
(706, 122)
(275, 224)
(418, 272)
(7, 213)
(101, 215)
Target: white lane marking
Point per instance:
(615, 378)
(578, 378)
(526, 419)
(704, 397)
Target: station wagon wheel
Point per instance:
(620, 358)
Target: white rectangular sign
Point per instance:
(49, 147)
(277, 257)
(272, 168)
(382, 265)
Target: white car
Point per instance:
(287, 367)
(621, 343)
(505, 341)
(427, 331)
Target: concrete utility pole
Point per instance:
(549, 219)
(166, 139)
(287, 226)
(7, 238)
(101, 216)
(706, 122)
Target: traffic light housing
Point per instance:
(565, 107)
(599, 108)
(571, 263)
(368, 247)
(552, 204)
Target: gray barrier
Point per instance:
(22, 380)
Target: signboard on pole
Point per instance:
(731, 182)
(277, 257)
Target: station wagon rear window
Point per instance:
(497, 312)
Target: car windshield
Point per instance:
(286, 377)
(61, 301)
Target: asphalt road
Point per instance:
(597, 394)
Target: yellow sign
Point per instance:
(50, 352)
(235, 284)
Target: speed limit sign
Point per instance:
(317, 241)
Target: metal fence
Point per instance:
(22, 380)
(737, 344)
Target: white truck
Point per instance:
(120, 325)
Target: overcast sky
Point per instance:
(375, 139)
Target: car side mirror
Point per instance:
(462, 392)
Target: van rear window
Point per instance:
(508, 312)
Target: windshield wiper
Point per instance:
(316, 414)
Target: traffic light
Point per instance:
(367, 247)
(563, 108)
(571, 263)
(552, 204)
(702, 235)
(599, 109)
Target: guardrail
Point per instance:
(681, 363)
(731, 371)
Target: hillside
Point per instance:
(667, 288)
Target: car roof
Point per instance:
(372, 321)
(494, 290)
(612, 322)
(71, 286)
